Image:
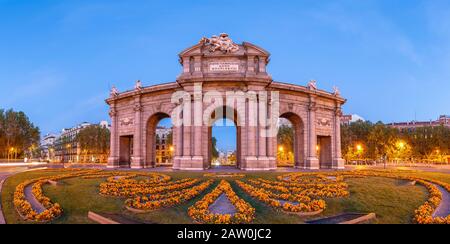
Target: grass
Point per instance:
(392, 200)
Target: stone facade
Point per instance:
(220, 66)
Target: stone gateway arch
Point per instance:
(219, 66)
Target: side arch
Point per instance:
(299, 138)
(150, 137)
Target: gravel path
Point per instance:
(444, 208)
(37, 206)
(222, 206)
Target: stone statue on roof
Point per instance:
(336, 91)
(114, 92)
(222, 43)
(312, 85)
(138, 85)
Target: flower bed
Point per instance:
(130, 188)
(318, 190)
(52, 210)
(302, 203)
(201, 214)
(424, 214)
(157, 201)
(308, 178)
(223, 175)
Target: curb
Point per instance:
(101, 219)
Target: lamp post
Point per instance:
(359, 151)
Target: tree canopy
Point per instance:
(365, 140)
(18, 136)
(94, 139)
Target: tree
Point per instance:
(214, 152)
(381, 142)
(376, 141)
(285, 140)
(94, 142)
(353, 135)
(18, 136)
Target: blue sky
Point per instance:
(58, 58)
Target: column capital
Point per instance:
(138, 108)
(338, 111)
(112, 113)
(312, 106)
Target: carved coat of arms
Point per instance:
(324, 122)
(126, 122)
(222, 43)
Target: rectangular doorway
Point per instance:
(325, 152)
(126, 151)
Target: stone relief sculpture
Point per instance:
(126, 122)
(138, 85)
(324, 122)
(114, 92)
(312, 85)
(222, 43)
(336, 91)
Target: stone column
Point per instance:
(272, 139)
(251, 65)
(188, 140)
(251, 161)
(178, 145)
(262, 65)
(338, 161)
(263, 160)
(198, 140)
(138, 159)
(312, 162)
(113, 159)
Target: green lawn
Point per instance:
(392, 200)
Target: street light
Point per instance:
(401, 145)
(280, 148)
(359, 148)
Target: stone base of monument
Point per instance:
(258, 164)
(189, 163)
(346, 218)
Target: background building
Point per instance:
(65, 146)
(164, 149)
(443, 120)
(47, 147)
(351, 118)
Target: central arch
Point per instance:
(224, 113)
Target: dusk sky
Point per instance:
(58, 59)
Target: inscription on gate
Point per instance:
(223, 67)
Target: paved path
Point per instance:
(5, 172)
(444, 208)
(35, 204)
(2, 180)
(222, 206)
